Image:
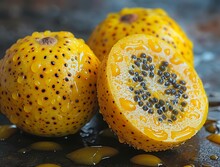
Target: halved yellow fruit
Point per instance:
(150, 97)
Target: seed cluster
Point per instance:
(141, 70)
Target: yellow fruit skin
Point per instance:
(49, 89)
(153, 22)
(114, 115)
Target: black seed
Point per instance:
(180, 91)
(167, 83)
(143, 84)
(144, 73)
(174, 102)
(151, 74)
(164, 117)
(141, 91)
(160, 119)
(145, 67)
(175, 112)
(132, 66)
(133, 57)
(170, 80)
(151, 100)
(159, 72)
(162, 68)
(155, 100)
(169, 120)
(161, 102)
(150, 111)
(164, 109)
(168, 91)
(140, 103)
(183, 88)
(173, 75)
(148, 94)
(136, 74)
(185, 96)
(165, 63)
(149, 104)
(145, 108)
(160, 81)
(135, 79)
(167, 74)
(183, 104)
(143, 55)
(173, 117)
(157, 105)
(144, 61)
(131, 72)
(144, 87)
(170, 107)
(173, 91)
(136, 98)
(138, 59)
(140, 78)
(151, 67)
(137, 63)
(177, 95)
(144, 96)
(159, 112)
(137, 92)
(175, 85)
(182, 82)
(131, 88)
(149, 59)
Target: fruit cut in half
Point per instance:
(150, 97)
(48, 83)
(128, 21)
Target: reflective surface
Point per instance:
(201, 21)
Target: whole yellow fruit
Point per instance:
(48, 83)
(130, 21)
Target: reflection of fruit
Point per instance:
(153, 22)
(150, 97)
(48, 83)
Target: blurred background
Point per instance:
(200, 20)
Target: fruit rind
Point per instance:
(115, 116)
(49, 89)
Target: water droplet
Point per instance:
(15, 95)
(146, 159)
(35, 67)
(20, 79)
(27, 109)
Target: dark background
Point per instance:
(199, 18)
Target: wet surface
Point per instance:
(200, 19)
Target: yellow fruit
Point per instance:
(48, 83)
(150, 97)
(130, 21)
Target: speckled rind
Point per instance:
(155, 22)
(49, 89)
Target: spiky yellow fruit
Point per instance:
(48, 83)
(150, 97)
(130, 21)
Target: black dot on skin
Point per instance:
(76, 100)
(43, 90)
(53, 62)
(41, 76)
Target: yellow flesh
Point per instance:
(49, 90)
(125, 112)
(153, 22)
